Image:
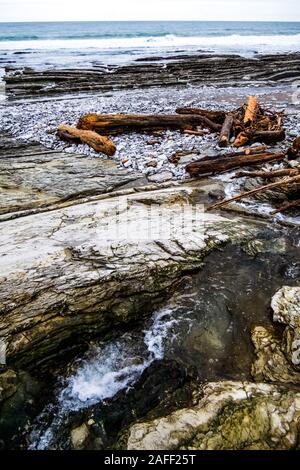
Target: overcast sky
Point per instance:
(73, 10)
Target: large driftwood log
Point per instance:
(215, 116)
(222, 164)
(112, 124)
(226, 131)
(94, 140)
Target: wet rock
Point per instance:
(278, 359)
(273, 246)
(286, 307)
(8, 384)
(271, 364)
(229, 415)
(180, 71)
(79, 437)
(19, 393)
(37, 177)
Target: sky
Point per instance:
(104, 10)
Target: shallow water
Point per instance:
(205, 327)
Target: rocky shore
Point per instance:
(184, 70)
(79, 268)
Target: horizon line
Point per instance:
(151, 21)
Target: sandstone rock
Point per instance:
(81, 269)
(79, 437)
(271, 363)
(278, 359)
(286, 307)
(34, 177)
(230, 415)
(8, 384)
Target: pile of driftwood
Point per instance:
(239, 128)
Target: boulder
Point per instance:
(228, 416)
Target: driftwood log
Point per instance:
(215, 116)
(113, 124)
(94, 140)
(226, 131)
(277, 184)
(222, 164)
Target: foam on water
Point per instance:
(232, 43)
(104, 371)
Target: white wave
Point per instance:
(280, 43)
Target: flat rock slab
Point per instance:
(197, 69)
(33, 176)
(72, 273)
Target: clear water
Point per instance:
(53, 43)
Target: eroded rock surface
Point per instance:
(34, 177)
(278, 358)
(76, 271)
(182, 70)
(230, 415)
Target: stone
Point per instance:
(286, 307)
(81, 270)
(152, 163)
(79, 437)
(160, 177)
(228, 416)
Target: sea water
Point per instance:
(86, 43)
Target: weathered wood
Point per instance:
(197, 133)
(241, 140)
(269, 137)
(256, 149)
(226, 131)
(112, 124)
(220, 165)
(267, 174)
(94, 140)
(250, 111)
(277, 184)
(294, 151)
(215, 116)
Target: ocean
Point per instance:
(84, 44)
